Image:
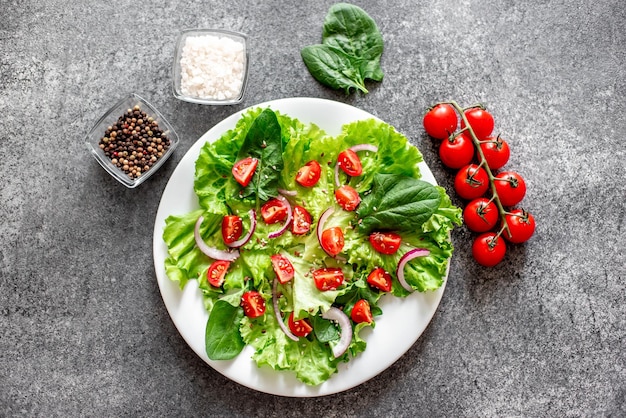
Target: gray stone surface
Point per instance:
(83, 329)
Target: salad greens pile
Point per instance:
(393, 198)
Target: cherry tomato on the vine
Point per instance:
(471, 182)
(350, 163)
(480, 120)
(456, 152)
(496, 152)
(480, 215)
(309, 174)
(488, 249)
(440, 121)
(511, 187)
(521, 225)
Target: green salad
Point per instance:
(298, 235)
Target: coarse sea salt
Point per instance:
(212, 67)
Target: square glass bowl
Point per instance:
(209, 60)
(110, 118)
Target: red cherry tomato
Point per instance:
(385, 242)
(232, 228)
(216, 272)
(511, 188)
(282, 267)
(440, 121)
(243, 170)
(361, 312)
(350, 163)
(488, 249)
(380, 279)
(521, 225)
(347, 197)
(332, 240)
(328, 278)
(274, 211)
(299, 328)
(480, 120)
(457, 152)
(471, 182)
(301, 221)
(481, 215)
(253, 304)
(309, 174)
(496, 152)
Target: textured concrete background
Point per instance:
(83, 329)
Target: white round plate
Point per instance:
(386, 344)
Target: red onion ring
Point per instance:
(244, 240)
(337, 182)
(320, 224)
(342, 319)
(408, 256)
(279, 318)
(364, 147)
(211, 252)
(285, 226)
(287, 192)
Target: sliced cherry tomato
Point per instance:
(480, 120)
(299, 328)
(243, 170)
(309, 174)
(274, 211)
(380, 279)
(328, 278)
(457, 152)
(481, 215)
(301, 221)
(282, 267)
(471, 182)
(253, 304)
(232, 228)
(521, 224)
(332, 240)
(385, 242)
(361, 312)
(440, 121)
(488, 249)
(350, 163)
(347, 197)
(496, 152)
(511, 188)
(217, 272)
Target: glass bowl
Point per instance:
(142, 150)
(206, 58)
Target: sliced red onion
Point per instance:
(287, 192)
(279, 318)
(285, 226)
(244, 240)
(337, 182)
(410, 255)
(364, 147)
(211, 252)
(342, 319)
(320, 223)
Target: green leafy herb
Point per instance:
(350, 51)
(222, 338)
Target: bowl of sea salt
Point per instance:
(210, 66)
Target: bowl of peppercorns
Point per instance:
(132, 140)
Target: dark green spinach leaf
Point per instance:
(222, 338)
(324, 329)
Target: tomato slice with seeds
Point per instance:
(243, 170)
(380, 279)
(299, 328)
(347, 197)
(332, 240)
(361, 312)
(301, 221)
(232, 228)
(282, 267)
(350, 163)
(328, 278)
(253, 304)
(216, 273)
(274, 211)
(385, 242)
(309, 174)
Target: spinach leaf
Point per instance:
(397, 202)
(324, 329)
(263, 142)
(350, 51)
(222, 339)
